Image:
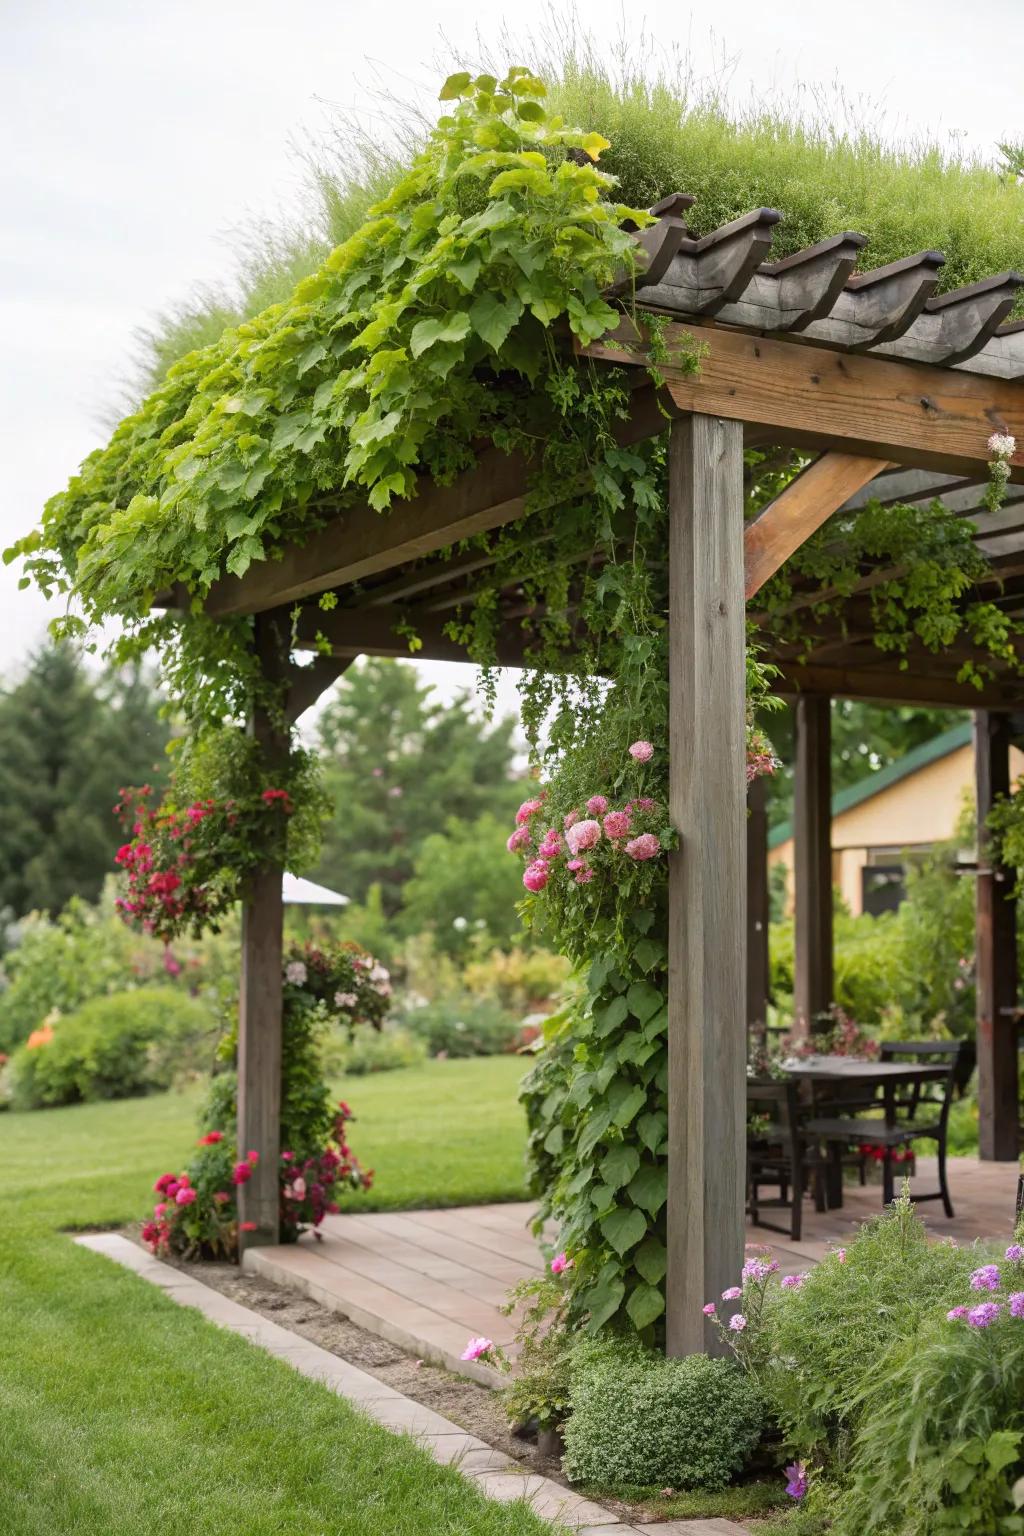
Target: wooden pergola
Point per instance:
(892, 392)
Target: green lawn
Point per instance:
(123, 1413)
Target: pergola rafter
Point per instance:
(892, 391)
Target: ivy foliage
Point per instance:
(411, 342)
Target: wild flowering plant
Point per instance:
(999, 1294)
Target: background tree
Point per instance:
(465, 886)
(400, 765)
(67, 744)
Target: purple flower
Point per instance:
(986, 1278)
(794, 1282)
(985, 1315)
(732, 1294)
(709, 1309)
(797, 1485)
(738, 1322)
(1015, 1253)
(955, 1314)
(755, 1269)
(1017, 1304)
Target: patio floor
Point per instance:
(428, 1280)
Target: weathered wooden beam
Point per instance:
(894, 687)
(758, 910)
(932, 418)
(812, 861)
(807, 502)
(362, 542)
(384, 631)
(707, 932)
(259, 1002)
(996, 954)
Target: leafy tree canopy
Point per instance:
(67, 744)
(400, 765)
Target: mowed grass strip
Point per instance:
(121, 1412)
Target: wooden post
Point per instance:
(758, 974)
(259, 1003)
(707, 878)
(996, 953)
(812, 860)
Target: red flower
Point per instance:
(241, 1173)
(211, 1138)
(248, 1226)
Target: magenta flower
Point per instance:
(732, 1294)
(646, 846)
(476, 1349)
(841, 1255)
(1016, 1304)
(984, 1315)
(709, 1309)
(755, 1269)
(526, 810)
(737, 1322)
(1015, 1253)
(584, 873)
(797, 1485)
(617, 824)
(641, 751)
(560, 1263)
(519, 840)
(570, 820)
(597, 805)
(986, 1278)
(185, 1196)
(584, 834)
(535, 875)
(794, 1282)
(955, 1314)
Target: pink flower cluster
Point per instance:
(596, 831)
(989, 1277)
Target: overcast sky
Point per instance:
(136, 136)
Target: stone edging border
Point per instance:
(495, 1474)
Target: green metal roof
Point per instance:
(855, 794)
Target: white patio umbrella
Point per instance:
(306, 893)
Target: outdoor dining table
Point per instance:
(887, 1075)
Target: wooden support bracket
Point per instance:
(806, 503)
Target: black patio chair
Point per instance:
(921, 1112)
(778, 1155)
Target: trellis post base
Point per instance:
(707, 878)
(996, 951)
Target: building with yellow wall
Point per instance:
(888, 817)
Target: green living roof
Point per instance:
(855, 794)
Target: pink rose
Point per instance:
(584, 874)
(526, 810)
(646, 804)
(158, 1210)
(570, 820)
(536, 875)
(597, 805)
(617, 824)
(641, 751)
(475, 1348)
(520, 839)
(583, 835)
(646, 846)
(185, 1196)
(560, 1263)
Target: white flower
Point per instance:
(295, 972)
(345, 1000)
(379, 972)
(1001, 445)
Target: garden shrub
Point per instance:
(831, 1335)
(113, 1047)
(641, 1419)
(355, 1055)
(522, 980)
(464, 1025)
